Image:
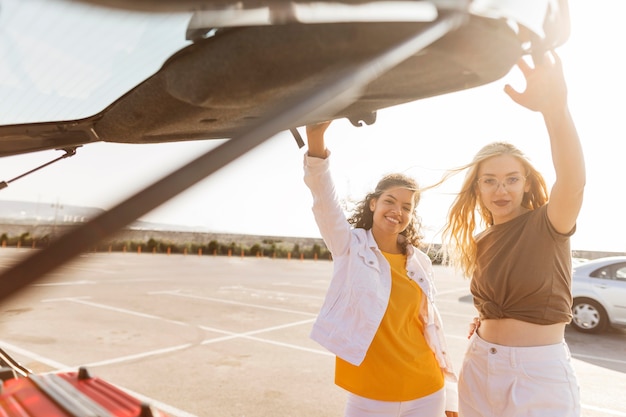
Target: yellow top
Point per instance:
(399, 364)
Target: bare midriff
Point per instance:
(511, 332)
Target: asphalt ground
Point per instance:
(228, 336)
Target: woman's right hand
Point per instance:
(315, 139)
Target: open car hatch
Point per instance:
(233, 75)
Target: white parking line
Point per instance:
(278, 293)
(305, 286)
(171, 411)
(31, 355)
(248, 335)
(238, 303)
(65, 283)
(89, 282)
(251, 332)
(128, 358)
(81, 300)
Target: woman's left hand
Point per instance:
(452, 414)
(474, 325)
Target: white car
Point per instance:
(599, 291)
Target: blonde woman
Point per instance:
(517, 363)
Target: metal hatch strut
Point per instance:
(68, 152)
(339, 90)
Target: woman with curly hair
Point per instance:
(378, 316)
(517, 363)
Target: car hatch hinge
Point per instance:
(68, 152)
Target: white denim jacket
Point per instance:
(359, 291)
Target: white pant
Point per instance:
(503, 381)
(432, 405)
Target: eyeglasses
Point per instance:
(489, 184)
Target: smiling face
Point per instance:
(393, 210)
(501, 186)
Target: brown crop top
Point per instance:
(523, 271)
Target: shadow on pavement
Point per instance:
(607, 349)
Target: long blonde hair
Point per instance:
(467, 211)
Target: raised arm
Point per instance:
(546, 92)
(329, 214)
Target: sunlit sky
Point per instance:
(263, 192)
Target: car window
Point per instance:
(620, 273)
(48, 73)
(615, 272)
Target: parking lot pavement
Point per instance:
(228, 336)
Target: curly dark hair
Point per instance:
(362, 217)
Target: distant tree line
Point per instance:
(265, 248)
